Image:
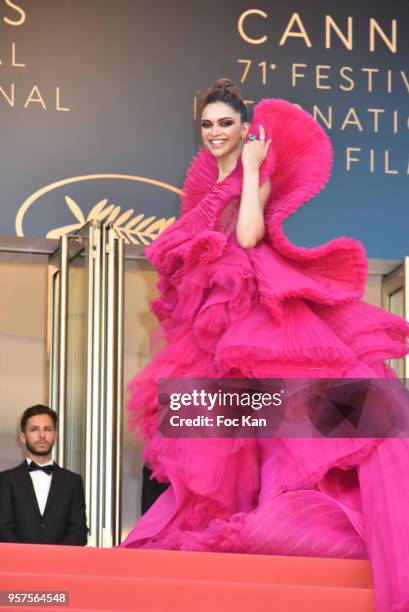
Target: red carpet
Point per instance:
(156, 581)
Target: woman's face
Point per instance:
(222, 129)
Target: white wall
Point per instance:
(23, 350)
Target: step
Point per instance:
(158, 594)
(188, 565)
(153, 580)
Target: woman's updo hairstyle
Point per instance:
(224, 90)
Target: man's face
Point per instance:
(40, 435)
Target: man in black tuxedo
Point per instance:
(41, 503)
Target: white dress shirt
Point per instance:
(41, 483)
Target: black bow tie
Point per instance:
(48, 469)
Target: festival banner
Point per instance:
(100, 108)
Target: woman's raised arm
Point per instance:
(250, 223)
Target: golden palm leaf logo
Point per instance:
(134, 228)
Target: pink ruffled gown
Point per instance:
(276, 310)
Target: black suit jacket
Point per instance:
(63, 521)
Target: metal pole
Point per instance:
(62, 352)
(119, 390)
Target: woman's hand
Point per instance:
(255, 150)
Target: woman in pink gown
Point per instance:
(238, 299)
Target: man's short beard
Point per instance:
(41, 453)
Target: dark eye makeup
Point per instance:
(223, 123)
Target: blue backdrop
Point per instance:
(97, 103)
